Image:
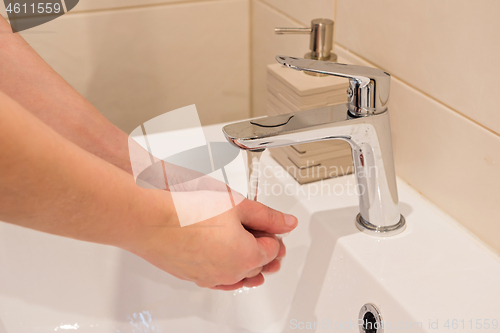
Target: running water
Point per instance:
(253, 162)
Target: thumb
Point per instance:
(256, 216)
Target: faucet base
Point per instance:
(373, 230)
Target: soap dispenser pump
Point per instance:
(321, 32)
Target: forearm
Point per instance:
(29, 80)
(51, 185)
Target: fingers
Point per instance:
(282, 251)
(255, 277)
(272, 267)
(254, 281)
(257, 234)
(257, 216)
(229, 287)
(275, 265)
(254, 272)
(267, 250)
(248, 282)
(264, 255)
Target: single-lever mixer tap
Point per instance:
(363, 122)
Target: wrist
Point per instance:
(153, 209)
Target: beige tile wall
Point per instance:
(447, 49)
(443, 56)
(451, 160)
(446, 119)
(136, 63)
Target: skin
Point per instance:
(65, 170)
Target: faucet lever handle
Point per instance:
(368, 92)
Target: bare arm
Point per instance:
(49, 184)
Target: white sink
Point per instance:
(432, 273)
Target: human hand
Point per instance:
(226, 252)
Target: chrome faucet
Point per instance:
(363, 122)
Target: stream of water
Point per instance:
(253, 163)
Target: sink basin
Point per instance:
(432, 275)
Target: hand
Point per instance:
(225, 252)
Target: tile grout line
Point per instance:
(421, 92)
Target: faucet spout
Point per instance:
(369, 138)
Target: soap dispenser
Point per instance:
(293, 91)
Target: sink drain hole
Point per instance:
(372, 320)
